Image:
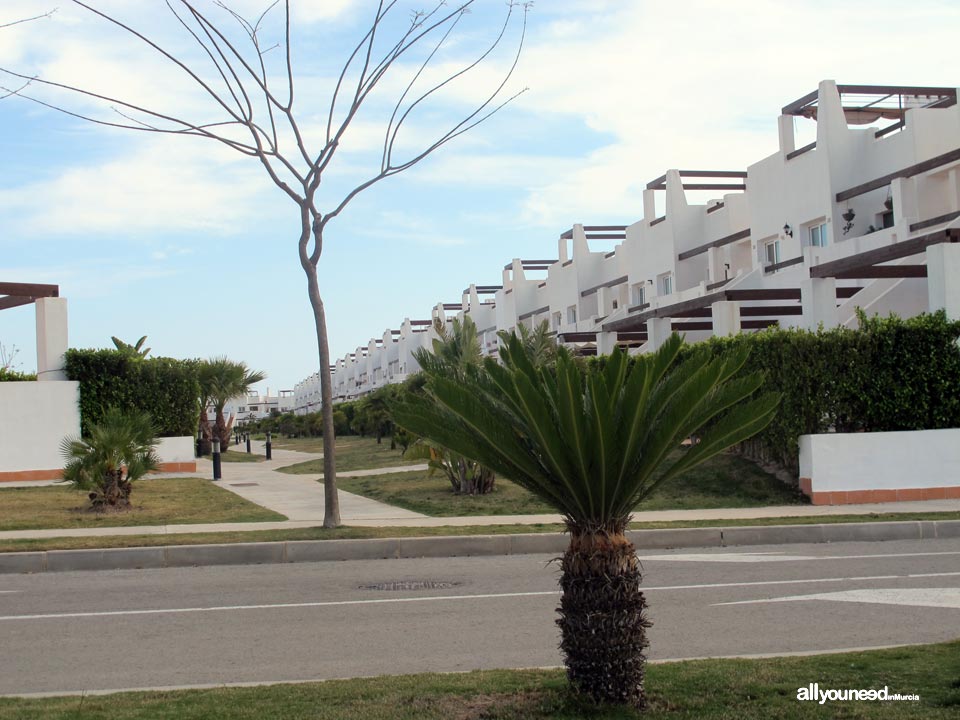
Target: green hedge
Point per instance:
(890, 374)
(166, 388)
(7, 375)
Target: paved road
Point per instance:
(197, 626)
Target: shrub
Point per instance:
(165, 388)
(7, 375)
(890, 374)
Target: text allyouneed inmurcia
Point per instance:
(814, 693)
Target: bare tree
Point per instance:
(258, 121)
(10, 23)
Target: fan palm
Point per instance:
(118, 452)
(220, 380)
(590, 441)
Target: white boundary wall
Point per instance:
(176, 449)
(35, 417)
(890, 465)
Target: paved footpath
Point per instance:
(300, 498)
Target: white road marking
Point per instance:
(434, 598)
(916, 597)
(746, 557)
(749, 557)
(6, 592)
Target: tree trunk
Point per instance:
(205, 433)
(602, 617)
(331, 502)
(221, 432)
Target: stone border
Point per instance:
(459, 545)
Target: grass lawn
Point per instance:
(156, 501)
(741, 689)
(725, 481)
(359, 533)
(240, 456)
(353, 453)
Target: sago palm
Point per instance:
(118, 452)
(594, 443)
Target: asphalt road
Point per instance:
(71, 632)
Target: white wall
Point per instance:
(35, 418)
(176, 449)
(892, 465)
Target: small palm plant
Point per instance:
(118, 452)
(590, 441)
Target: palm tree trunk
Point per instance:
(603, 620)
(220, 430)
(206, 433)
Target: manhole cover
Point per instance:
(411, 585)
(243, 484)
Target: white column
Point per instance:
(51, 337)
(658, 330)
(943, 278)
(787, 139)
(606, 342)
(726, 318)
(819, 299)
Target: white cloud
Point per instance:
(701, 86)
(157, 185)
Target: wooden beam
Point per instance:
(29, 290)
(780, 265)
(939, 220)
(610, 283)
(801, 151)
(885, 271)
(914, 246)
(13, 301)
(762, 294)
(545, 308)
(726, 240)
(906, 172)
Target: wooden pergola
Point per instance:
(16, 294)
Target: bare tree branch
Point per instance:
(246, 94)
(29, 19)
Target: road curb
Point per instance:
(294, 551)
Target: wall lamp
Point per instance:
(787, 230)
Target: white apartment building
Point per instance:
(864, 216)
(254, 406)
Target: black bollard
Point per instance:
(248, 442)
(216, 460)
(269, 454)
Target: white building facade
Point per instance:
(865, 216)
(254, 406)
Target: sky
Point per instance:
(190, 243)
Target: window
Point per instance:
(638, 294)
(772, 252)
(241, 409)
(818, 235)
(666, 284)
(615, 304)
(557, 319)
(572, 315)
(887, 219)
(254, 408)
